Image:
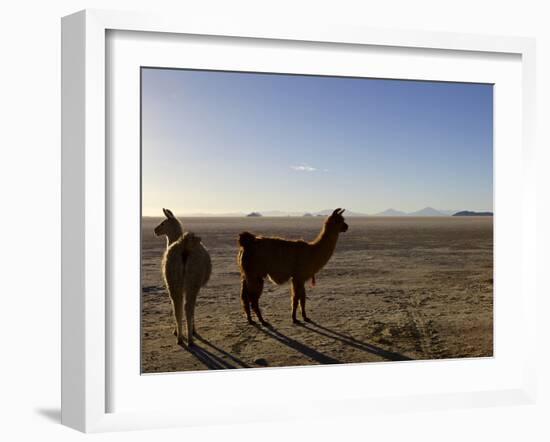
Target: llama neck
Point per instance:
(324, 245)
(172, 237)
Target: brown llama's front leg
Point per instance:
(245, 301)
(298, 293)
(254, 297)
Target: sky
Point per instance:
(224, 142)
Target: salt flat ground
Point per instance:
(395, 289)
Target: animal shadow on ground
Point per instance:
(298, 346)
(223, 352)
(352, 342)
(209, 359)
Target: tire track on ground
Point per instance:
(428, 340)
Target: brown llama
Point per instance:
(281, 260)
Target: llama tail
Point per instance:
(246, 239)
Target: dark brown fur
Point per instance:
(282, 260)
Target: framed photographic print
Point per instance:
(271, 210)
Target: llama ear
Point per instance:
(342, 211)
(168, 213)
(335, 212)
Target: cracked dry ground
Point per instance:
(395, 289)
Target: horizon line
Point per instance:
(282, 213)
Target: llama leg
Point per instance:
(295, 295)
(190, 315)
(175, 332)
(177, 305)
(245, 301)
(254, 297)
(302, 300)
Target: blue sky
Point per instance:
(219, 142)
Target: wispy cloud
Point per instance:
(304, 168)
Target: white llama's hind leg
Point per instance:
(190, 299)
(177, 305)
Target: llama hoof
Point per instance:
(307, 319)
(266, 324)
(181, 341)
(251, 322)
(175, 332)
(295, 321)
(190, 344)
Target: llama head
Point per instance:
(170, 227)
(190, 241)
(336, 221)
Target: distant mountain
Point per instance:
(391, 212)
(254, 214)
(427, 211)
(307, 214)
(470, 213)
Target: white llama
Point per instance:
(186, 267)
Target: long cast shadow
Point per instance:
(219, 350)
(210, 360)
(353, 342)
(298, 346)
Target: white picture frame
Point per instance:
(85, 213)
